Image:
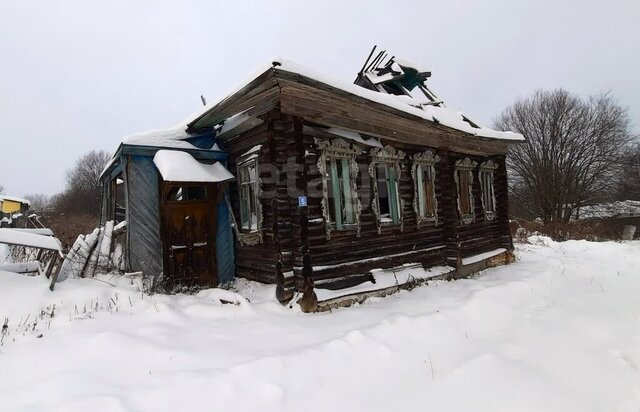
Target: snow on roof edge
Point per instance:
(15, 199)
(453, 119)
(179, 166)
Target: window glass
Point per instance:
(341, 206)
(186, 193)
(248, 193)
(463, 191)
(488, 197)
(387, 197)
(196, 192)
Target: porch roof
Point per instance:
(179, 166)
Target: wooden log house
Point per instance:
(332, 181)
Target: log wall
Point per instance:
(288, 169)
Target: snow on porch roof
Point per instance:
(177, 166)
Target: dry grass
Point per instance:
(68, 227)
(594, 230)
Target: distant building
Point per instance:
(613, 216)
(12, 209)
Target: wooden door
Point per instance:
(188, 213)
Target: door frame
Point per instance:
(213, 196)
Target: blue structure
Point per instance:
(132, 192)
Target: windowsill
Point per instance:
(344, 228)
(489, 216)
(430, 219)
(467, 219)
(251, 238)
(390, 223)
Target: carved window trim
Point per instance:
(465, 165)
(250, 236)
(426, 159)
(332, 151)
(390, 157)
(487, 183)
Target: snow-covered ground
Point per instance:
(557, 331)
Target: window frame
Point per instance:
(486, 172)
(426, 159)
(465, 165)
(249, 236)
(391, 159)
(331, 152)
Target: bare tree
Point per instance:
(629, 181)
(573, 154)
(39, 202)
(82, 190)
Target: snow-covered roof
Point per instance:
(14, 199)
(443, 115)
(408, 104)
(173, 138)
(178, 166)
(620, 209)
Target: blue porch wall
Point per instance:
(224, 246)
(144, 243)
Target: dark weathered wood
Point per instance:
(294, 241)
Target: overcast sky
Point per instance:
(78, 75)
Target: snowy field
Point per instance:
(557, 331)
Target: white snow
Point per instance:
(443, 115)
(176, 166)
(557, 331)
(446, 116)
(22, 267)
(251, 153)
(620, 209)
(386, 278)
(22, 238)
(15, 199)
(482, 256)
(356, 137)
(43, 231)
(170, 138)
(235, 121)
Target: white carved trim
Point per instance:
(252, 237)
(424, 159)
(391, 157)
(465, 165)
(332, 150)
(487, 168)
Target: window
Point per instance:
(341, 207)
(187, 193)
(338, 169)
(486, 183)
(119, 205)
(464, 182)
(388, 205)
(423, 172)
(248, 193)
(385, 174)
